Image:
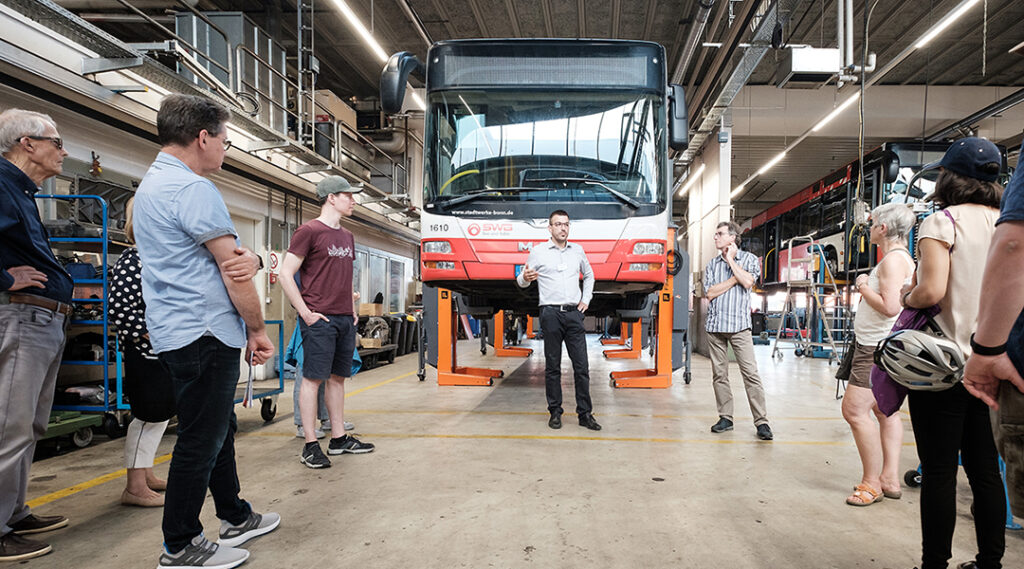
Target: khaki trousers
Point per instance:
(743, 347)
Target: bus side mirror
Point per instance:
(890, 167)
(394, 78)
(678, 126)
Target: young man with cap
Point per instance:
(556, 266)
(322, 252)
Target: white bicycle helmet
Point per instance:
(920, 360)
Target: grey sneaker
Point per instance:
(301, 435)
(202, 553)
(313, 457)
(326, 425)
(255, 526)
(348, 443)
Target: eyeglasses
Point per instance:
(56, 140)
(561, 224)
(227, 144)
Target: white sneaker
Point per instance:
(301, 435)
(202, 553)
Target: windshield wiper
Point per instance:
(477, 194)
(621, 196)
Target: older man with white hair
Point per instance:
(35, 297)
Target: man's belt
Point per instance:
(561, 307)
(36, 300)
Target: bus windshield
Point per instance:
(544, 146)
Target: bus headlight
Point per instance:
(437, 247)
(443, 265)
(648, 248)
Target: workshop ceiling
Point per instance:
(974, 51)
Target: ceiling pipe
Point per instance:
(417, 23)
(966, 122)
(700, 20)
(115, 5)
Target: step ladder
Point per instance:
(810, 274)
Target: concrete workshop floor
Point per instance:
(473, 477)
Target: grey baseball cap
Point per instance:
(335, 185)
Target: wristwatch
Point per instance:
(987, 350)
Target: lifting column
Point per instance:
(660, 377)
(448, 372)
(500, 349)
(620, 341)
(636, 342)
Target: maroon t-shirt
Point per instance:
(326, 272)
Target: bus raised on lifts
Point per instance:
(516, 129)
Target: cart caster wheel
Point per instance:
(687, 378)
(912, 478)
(82, 437)
(483, 351)
(490, 382)
(112, 428)
(798, 352)
(268, 410)
(422, 376)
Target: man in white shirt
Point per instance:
(556, 266)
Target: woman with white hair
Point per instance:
(878, 443)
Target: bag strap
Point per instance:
(951, 220)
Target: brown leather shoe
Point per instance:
(129, 499)
(38, 524)
(13, 547)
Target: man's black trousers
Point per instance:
(560, 325)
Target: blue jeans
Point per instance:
(321, 404)
(205, 374)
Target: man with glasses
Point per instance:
(199, 319)
(727, 282)
(35, 297)
(557, 266)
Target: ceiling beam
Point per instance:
(446, 20)
(513, 18)
(581, 17)
(475, 7)
(546, 7)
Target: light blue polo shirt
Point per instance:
(176, 211)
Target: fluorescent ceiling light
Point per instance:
(771, 163)
(691, 180)
(737, 191)
(361, 30)
(945, 23)
(836, 112)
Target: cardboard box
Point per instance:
(325, 99)
(370, 309)
(370, 342)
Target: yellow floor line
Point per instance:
(64, 493)
(545, 414)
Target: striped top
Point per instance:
(730, 312)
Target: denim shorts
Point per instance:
(328, 346)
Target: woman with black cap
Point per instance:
(951, 424)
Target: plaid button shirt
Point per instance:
(730, 312)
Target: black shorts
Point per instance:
(327, 347)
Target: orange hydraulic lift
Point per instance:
(500, 349)
(529, 328)
(660, 376)
(620, 341)
(635, 341)
(448, 372)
